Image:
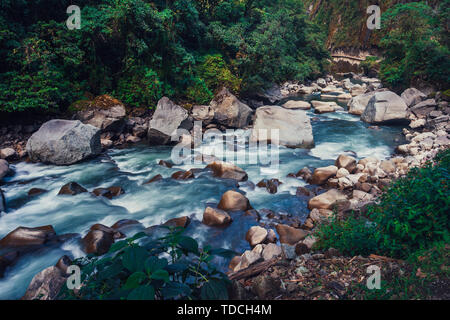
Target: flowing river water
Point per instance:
(334, 133)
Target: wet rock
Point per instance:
(385, 107)
(132, 139)
(216, 217)
(270, 251)
(158, 177)
(23, 237)
(229, 111)
(100, 227)
(2, 201)
(347, 162)
(46, 285)
(290, 235)
(256, 235)
(321, 175)
(105, 113)
(183, 175)
(302, 191)
(97, 242)
(167, 119)
(304, 174)
(227, 170)
(412, 96)
(64, 142)
(182, 222)
(109, 193)
(124, 224)
(329, 200)
(165, 164)
(106, 143)
(291, 128)
(293, 104)
(271, 185)
(7, 260)
(72, 188)
(36, 192)
(234, 201)
(8, 154)
(4, 168)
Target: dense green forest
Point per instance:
(140, 50)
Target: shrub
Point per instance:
(145, 268)
(216, 74)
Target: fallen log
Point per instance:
(252, 270)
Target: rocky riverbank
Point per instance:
(278, 242)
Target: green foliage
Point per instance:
(370, 64)
(411, 215)
(140, 50)
(415, 45)
(143, 268)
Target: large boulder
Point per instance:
(229, 111)
(385, 107)
(98, 241)
(412, 96)
(4, 168)
(294, 127)
(167, 119)
(216, 217)
(64, 142)
(227, 170)
(23, 237)
(105, 113)
(329, 200)
(324, 106)
(358, 104)
(234, 201)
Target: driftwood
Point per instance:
(252, 270)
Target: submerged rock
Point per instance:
(216, 217)
(234, 201)
(167, 119)
(271, 185)
(183, 175)
(72, 188)
(291, 128)
(165, 164)
(158, 177)
(229, 111)
(36, 192)
(385, 107)
(182, 222)
(109, 193)
(64, 142)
